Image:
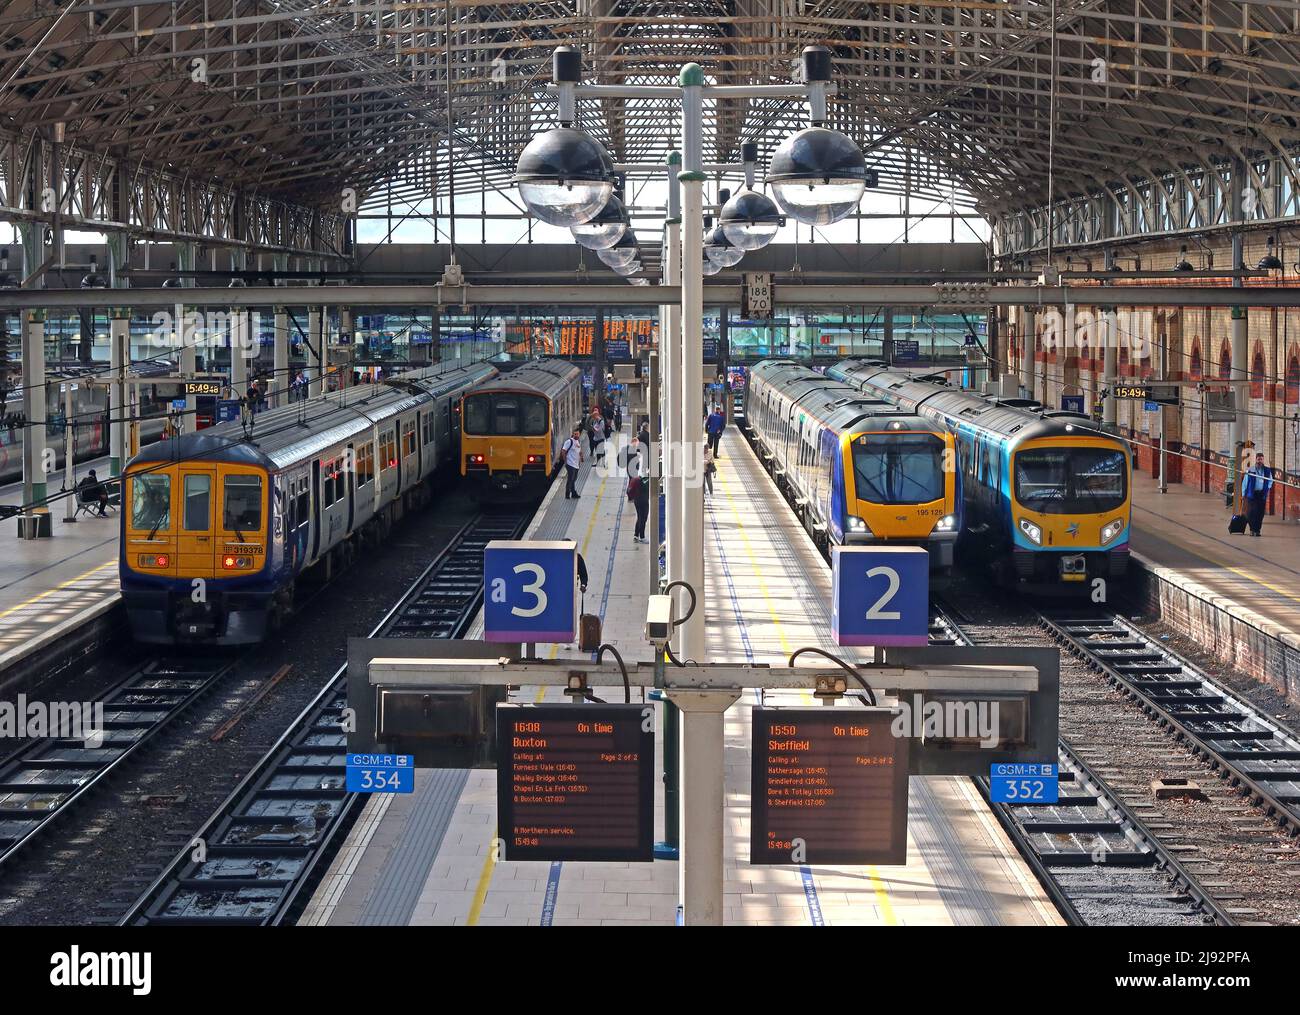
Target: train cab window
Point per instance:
(1061, 481)
(243, 504)
(151, 502)
(408, 440)
(387, 450)
(504, 413)
(899, 469)
(196, 515)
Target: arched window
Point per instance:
(1257, 374)
(1293, 379)
(1194, 367)
(1225, 361)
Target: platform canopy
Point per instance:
(308, 101)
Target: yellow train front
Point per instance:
(857, 470)
(512, 429)
(1048, 493)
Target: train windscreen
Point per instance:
(904, 468)
(505, 413)
(1067, 481)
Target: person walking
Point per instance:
(709, 470)
(572, 451)
(713, 427)
(596, 432)
(1256, 485)
(638, 492)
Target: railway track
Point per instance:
(257, 858)
(1257, 756)
(1099, 862)
(42, 781)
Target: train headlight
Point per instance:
(1111, 530)
(237, 563)
(857, 525)
(947, 523)
(533, 459)
(154, 560)
(1032, 531)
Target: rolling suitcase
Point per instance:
(1237, 525)
(588, 630)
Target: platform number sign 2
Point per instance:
(881, 595)
(529, 591)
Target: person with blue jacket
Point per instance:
(1256, 485)
(713, 427)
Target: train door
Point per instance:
(315, 508)
(196, 548)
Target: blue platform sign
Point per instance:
(1024, 783)
(881, 595)
(227, 410)
(530, 590)
(381, 773)
(906, 349)
(1072, 403)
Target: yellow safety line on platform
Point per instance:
(71, 581)
(481, 889)
(877, 883)
(1227, 567)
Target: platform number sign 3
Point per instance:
(530, 591)
(881, 595)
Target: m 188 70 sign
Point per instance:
(829, 786)
(576, 782)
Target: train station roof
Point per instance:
(299, 99)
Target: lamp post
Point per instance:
(817, 176)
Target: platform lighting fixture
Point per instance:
(628, 268)
(624, 251)
(1183, 263)
(564, 176)
(92, 280)
(719, 249)
(1270, 261)
(710, 266)
(606, 228)
(171, 282)
(818, 175)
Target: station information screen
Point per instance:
(829, 786)
(576, 782)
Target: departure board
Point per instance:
(829, 786)
(576, 782)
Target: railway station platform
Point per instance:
(1237, 596)
(53, 587)
(426, 858)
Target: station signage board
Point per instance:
(530, 590)
(1132, 391)
(576, 782)
(880, 595)
(203, 387)
(380, 773)
(906, 350)
(828, 785)
(1024, 783)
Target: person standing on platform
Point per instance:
(1256, 485)
(713, 426)
(638, 490)
(709, 469)
(572, 451)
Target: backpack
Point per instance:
(633, 487)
